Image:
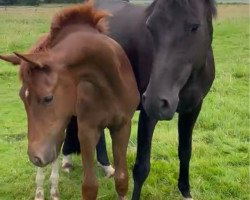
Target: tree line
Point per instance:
(35, 2)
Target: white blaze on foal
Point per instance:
(54, 193)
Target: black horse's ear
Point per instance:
(12, 58)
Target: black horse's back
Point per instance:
(127, 26)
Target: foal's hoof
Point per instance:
(188, 198)
(54, 197)
(108, 170)
(67, 167)
(39, 195)
(54, 194)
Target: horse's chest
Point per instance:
(190, 98)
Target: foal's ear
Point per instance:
(101, 14)
(100, 20)
(15, 60)
(36, 59)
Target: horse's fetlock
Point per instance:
(54, 193)
(39, 194)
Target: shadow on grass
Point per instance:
(13, 137)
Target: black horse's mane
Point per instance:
(210, 5)
(150, 8)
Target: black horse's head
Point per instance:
(182, 33)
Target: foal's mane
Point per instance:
(82, 14)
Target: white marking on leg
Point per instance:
(67, 163)
(187, 198)
(108, 170)
(54, 193)
(39, 184)
(26, 93)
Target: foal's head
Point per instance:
(48, 94)
(48, 88)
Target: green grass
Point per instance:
(220, 160)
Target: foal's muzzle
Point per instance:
(42, 158)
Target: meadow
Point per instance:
(220, 160)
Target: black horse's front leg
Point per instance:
(142, 165)
(186, 124)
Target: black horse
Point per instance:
(169, 46)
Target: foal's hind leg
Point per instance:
(120, 140)
(54, 193)
(39, 184)
(185, 127)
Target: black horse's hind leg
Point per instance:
(101, 151)
(142, 165)
(102, 157)
(71, 143)
(186, 124)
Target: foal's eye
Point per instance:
(47, 99)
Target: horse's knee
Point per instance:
(121, 184)
(140, 172)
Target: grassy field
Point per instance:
(220, 159)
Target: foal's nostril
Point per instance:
(38, 161)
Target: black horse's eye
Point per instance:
(194, 28)
(47, 99)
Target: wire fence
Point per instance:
(43, 7)
(218, 1)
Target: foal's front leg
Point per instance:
(120, 139)
(71, 145)
(88, 138)
(39, 184)
(54, 193)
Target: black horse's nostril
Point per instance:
(143, 98)
(38, 161)
(164, 104)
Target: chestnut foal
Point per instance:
(76, 70)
